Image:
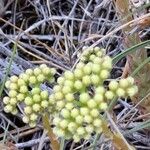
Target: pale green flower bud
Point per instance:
(24, 77)
(14, 79)
(69, 106)
(95, 79)
(12, 93)
(35, 90)
(78, 73)
(89, 129)
(84, 97)
(98, 98)
(44, 94)
(36, 107)
(84, 111)
(109, 95)
(25, 119)
(113, 85)
(37, 71)
(20, 97)
(97, 122)
(104, 74)
(61, 80)
(65, 113)
(74, 113)
(91, 103)
(88, 119)
(13, 101)
(103, 106)
(44, 104)
(28, 110)
(8, 108)
(81, 130)
(33, 117)
(59, 96)
(41, 78)
(36, 98)
(7, 84)
(6, 100)
(96, 68)
(120, 92)
(78, 85)
(28, 100)
(69, 97)
(86, 80)
(123, 83)
(13, 86)
(63, 124)
(32, 80)
(23, 89)
(79, 119)
(94, 113)
(69, 75)
(21, 82)
(29, 72)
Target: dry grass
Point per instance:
(54, 32)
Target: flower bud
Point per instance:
(69, 97)
(32, 80)
(44, 94)
(104, 74)
(103, 106)
(65, 113)
(84, 97)
(29, 72)
(13, 79)
(28, 100)
(91, 103)
(6, 100)
(25, 119)
(78, 85)
(120, 92)
(36, 107)
(44, 104)
(113, 85)
(35, 90)
(28, 110)
(69, 75)
(23, 89)
(109, 95)
(37, 71)
(12, 93)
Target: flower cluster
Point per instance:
(80, 96)
(26, 89)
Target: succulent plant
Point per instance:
(25, 89)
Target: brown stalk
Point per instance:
(135, 59)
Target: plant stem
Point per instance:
(53, 139)
(62, 143)
(8, 68)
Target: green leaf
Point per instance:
(130, 50)
(146, 61)
(142, 125)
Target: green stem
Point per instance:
(8, 68)
(62, 143)
(146, 61)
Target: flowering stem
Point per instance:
(53, 139)
(62, 144)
